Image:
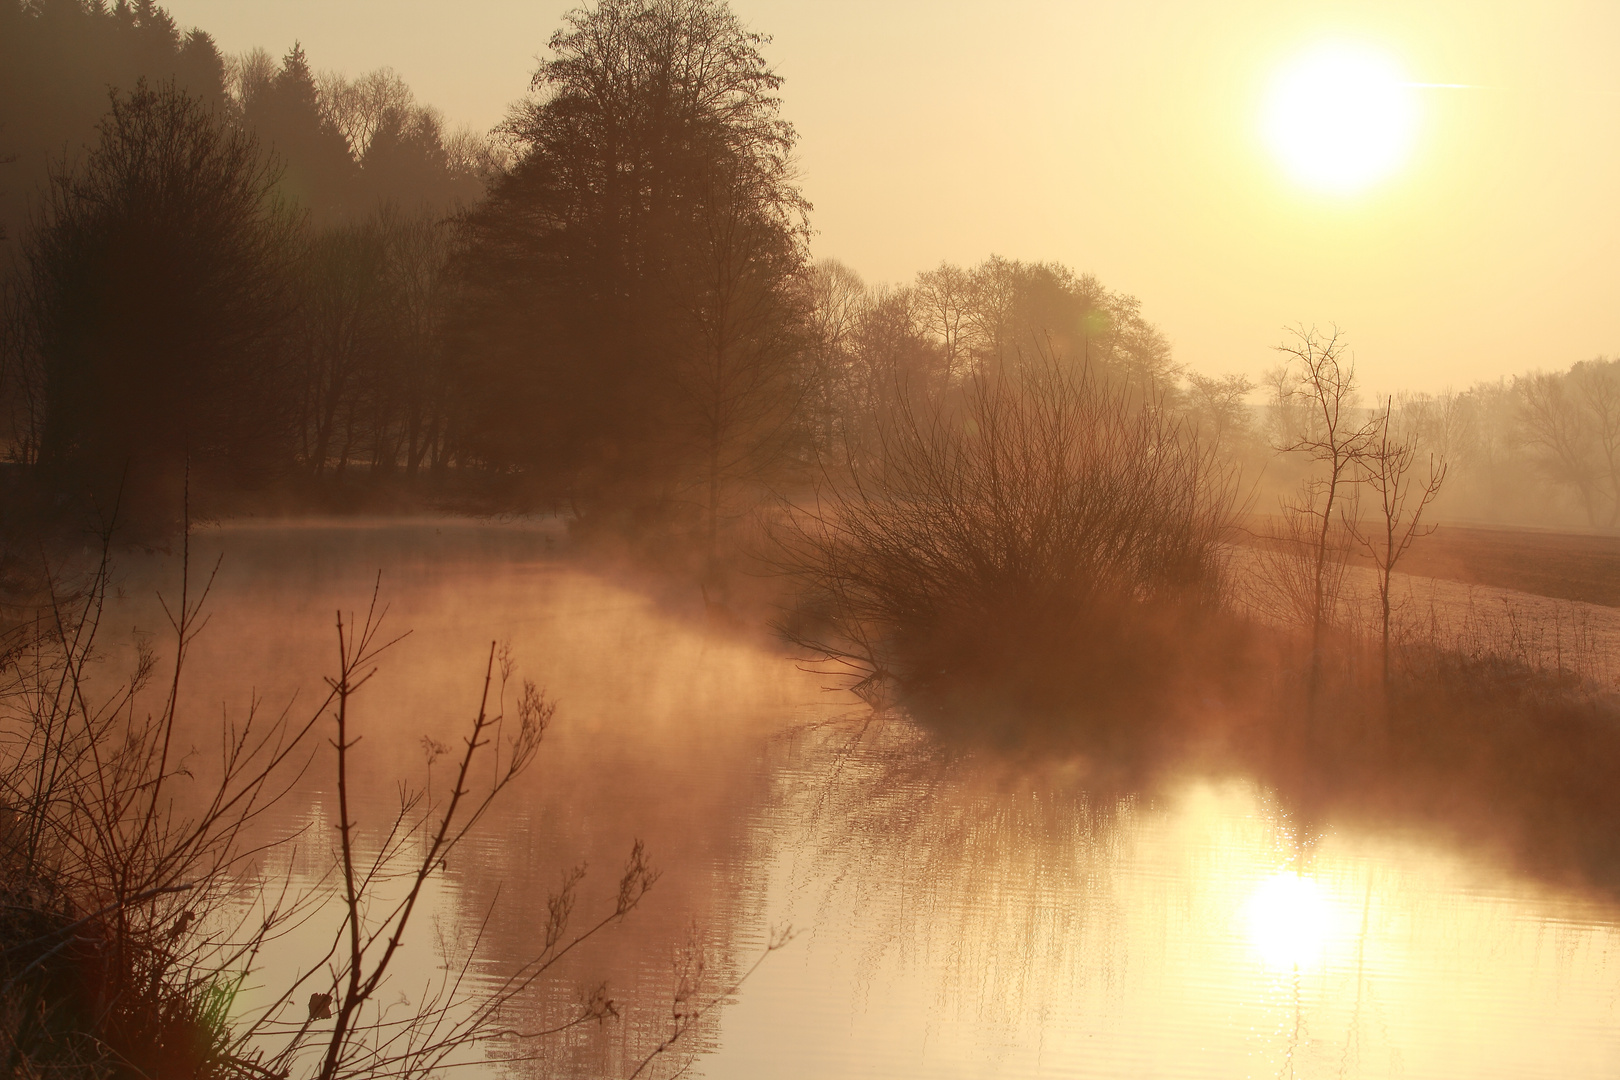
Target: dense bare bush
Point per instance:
(1299, 572)
(1037, 537)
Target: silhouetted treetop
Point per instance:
(632, 276)
(286, 113)
(57, 60)
(642, 97)
(157, 285)
(406, 161)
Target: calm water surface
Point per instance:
(956, 916)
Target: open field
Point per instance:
(1563, 565)
(1549, 599)
(1567, 566)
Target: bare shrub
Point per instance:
(1038, 536)
(107, 869)
(131, 907)
(1300, 570)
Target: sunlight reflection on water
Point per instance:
(960, 916)
(1290, 920)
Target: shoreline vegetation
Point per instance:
(990, 500)
(135, 903)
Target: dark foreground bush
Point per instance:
(1038, 541)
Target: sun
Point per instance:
(1340, 117)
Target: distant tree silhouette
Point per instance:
(157, 284)
(833, 297)
(357, 106)
(248, 75)
(374, 391)
(1007, 312)
(1216, 406)
(893, 361)
(872, 347)
(406, 156)
(57, 60)
(318, 172)
(653, 182)
(1571, 422)
(420, 294)
(342, 322)
(405, 161)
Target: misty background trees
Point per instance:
(308, 288)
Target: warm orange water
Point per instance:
(956, 917)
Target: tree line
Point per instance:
(343, 144)
(269, 278)
(1540, 448)
(625, 316)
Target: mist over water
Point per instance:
(958, 913)
(519, 601)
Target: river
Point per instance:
(947, 914)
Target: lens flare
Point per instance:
(1340, 117)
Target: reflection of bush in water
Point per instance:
(1004, 869)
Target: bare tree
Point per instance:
(834, 297)
(1217, 404)
(358, 107)
(248, 75)
(1551, 421)
(1316, 387)
(945, 297)
(1386, 468)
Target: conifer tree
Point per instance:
(318, 171)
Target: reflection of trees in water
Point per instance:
(998, 875)
(657, 737)
(683, 945)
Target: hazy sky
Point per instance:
(1123, 139)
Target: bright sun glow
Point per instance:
(1340, 117)
(1289, 920)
